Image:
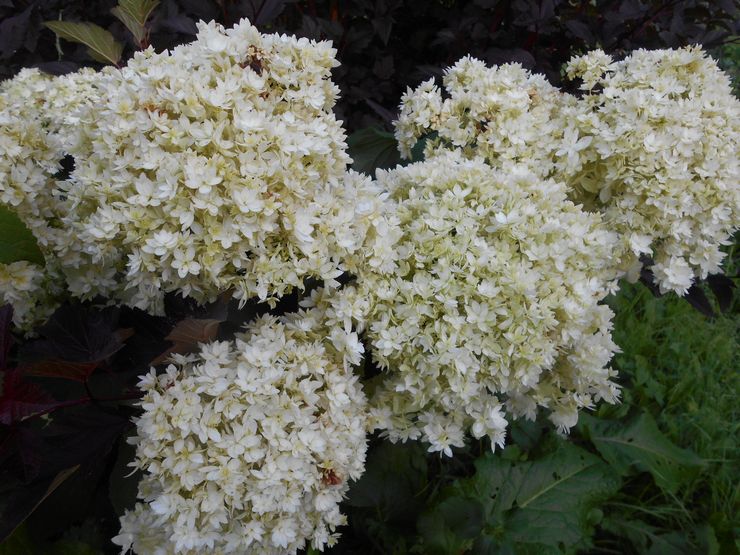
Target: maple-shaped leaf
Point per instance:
(21, 399)
(75, 341)
(187, 334)
(75, 371)
(21, 450)
(18, 501)
(6, 340)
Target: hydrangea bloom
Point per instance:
(30, 290)
(36, 120)
(248, 445)
(492, 308)
(216, 166)
(504, 113)
(662, 162)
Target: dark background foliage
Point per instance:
(388, 45)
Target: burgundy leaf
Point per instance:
(6, 340)
(21, 399)
(22, 451)
(85, 435)
(75, 371)
(187, 334)
(75, 341)
(22, 501)
(722, 287)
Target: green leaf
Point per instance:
(452, 525)
(18, 542)
(139, 10)
(373, 148)
(16, 240)
(100, 43)
(136, 28)
(395, 475)
(546, 501)
(640, 444)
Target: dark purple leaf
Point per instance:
(580, 30)
(58, 68)
(22, 451)
(383, 68)
(499, 56)
(78, 334)
(187, 335)
(75, 371)
(6, 339)
(13, 31)
(383, 27)
(84, 435)
(632, 9)
(268, 11)
(180, 24)
(17, 503)
(202, 10)
(696, 298)
(384, 113)
(21, 399)
(723, 289)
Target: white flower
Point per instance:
(662, 164)
(491, 308)
(192, 173)
(248, 445)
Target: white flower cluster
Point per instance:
(652, 144)
(662, 163)
(29, 290)
(217, 166)
(506, 114)
(248, 445)
(36, 125)
(492, 308)
(479, 271)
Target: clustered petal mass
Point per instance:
(216, 166)
(652, 144)
(248, 445)
(475, 277)
(503, 113)
(492, 308)
(36, 123)
(662, 164)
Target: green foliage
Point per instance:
(539, 504)
(134, 14)
(139, 10)
(373, 148)
(638, 444)
(655, 474)
(16, 241)
(101, 45)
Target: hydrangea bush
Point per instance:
(475, 277)
(37, 122)
(503, 113)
